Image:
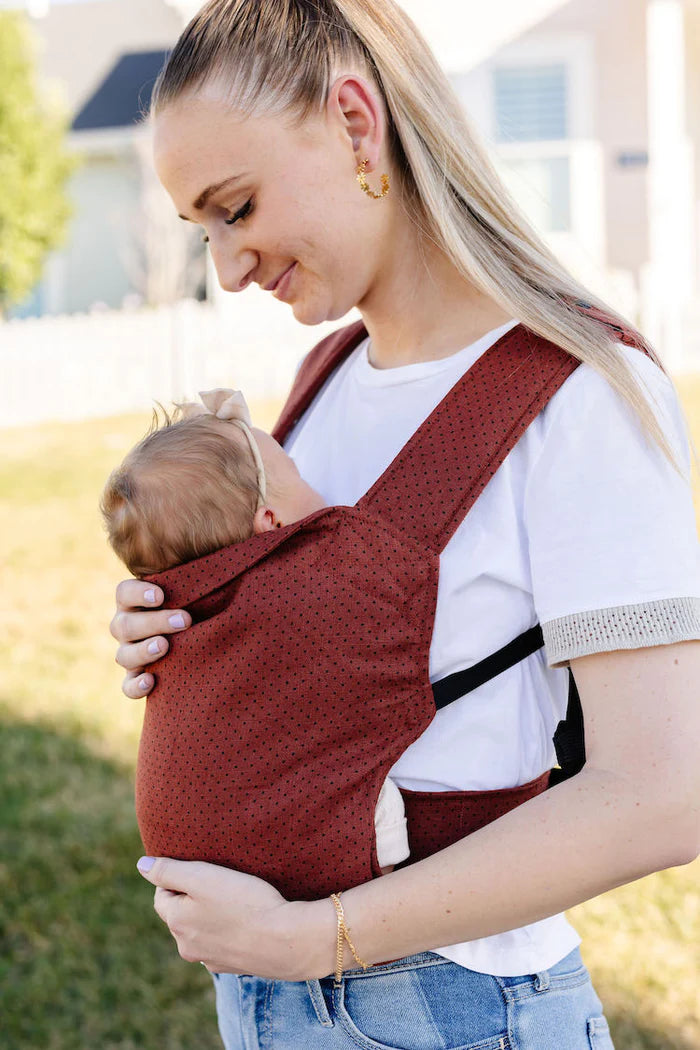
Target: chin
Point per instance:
(308, 315)
(309, 321)
(315, 313)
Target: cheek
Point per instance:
(326, 228)
(333, 255)
(331, 243)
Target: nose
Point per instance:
(233, 269)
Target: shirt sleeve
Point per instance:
(610, 524)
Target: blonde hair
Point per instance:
(186, 489)
(281, 57)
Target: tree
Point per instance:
(34, 166)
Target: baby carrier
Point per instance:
(276, 717)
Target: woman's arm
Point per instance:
(633, 809)
(139, 626)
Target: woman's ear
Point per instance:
(265, 520)
(354, 103)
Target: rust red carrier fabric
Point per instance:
(277, 716)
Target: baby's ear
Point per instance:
(265, 520)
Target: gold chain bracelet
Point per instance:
(343, 932)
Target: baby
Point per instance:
(205, 479)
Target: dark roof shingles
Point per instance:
(124, 94)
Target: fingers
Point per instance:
(136, 685)
(137, 594)
(140, 633)
(180, 876)
(136, 656)
(134, 626)
(162, 905)
(173, 909)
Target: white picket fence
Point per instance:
(107, 363)
(113, 362)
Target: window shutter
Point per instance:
(531, 103)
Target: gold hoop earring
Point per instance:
(362, 179)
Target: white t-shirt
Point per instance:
(585, 528)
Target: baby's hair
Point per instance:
(186, 489)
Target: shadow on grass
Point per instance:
(85, 964)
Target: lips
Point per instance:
(271, 287)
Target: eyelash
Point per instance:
(239, 216)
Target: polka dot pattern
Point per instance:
(445, 817)
(277, 716)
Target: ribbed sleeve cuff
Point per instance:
(621, 627)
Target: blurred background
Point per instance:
(591, 109)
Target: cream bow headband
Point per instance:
(229, 405)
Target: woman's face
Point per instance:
(274, 200)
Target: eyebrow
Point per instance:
(209, 192)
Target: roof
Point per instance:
(124, 94)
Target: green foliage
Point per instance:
(34, 166)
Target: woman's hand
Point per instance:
(139, 627)
(237, 923)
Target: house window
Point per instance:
(531, 103)
(542, 187)
(533, 144)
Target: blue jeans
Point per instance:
(422, 1002)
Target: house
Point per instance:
(593, 110)
(102, 57)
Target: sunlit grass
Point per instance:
(84, 962)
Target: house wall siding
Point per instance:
(99, 33)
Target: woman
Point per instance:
(266, 116)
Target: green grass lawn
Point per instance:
(84, 962)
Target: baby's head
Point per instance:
(197, 482)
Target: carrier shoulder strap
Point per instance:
(318, 365)
(461, 444)
(440, 472)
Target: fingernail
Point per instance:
(177, 620)
(154, 646)
(145, 863)
(149, 596)
(144, 683)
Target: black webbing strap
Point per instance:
(462, 682)
(569, 740)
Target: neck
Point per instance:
(422, 309)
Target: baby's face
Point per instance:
(288, 494)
